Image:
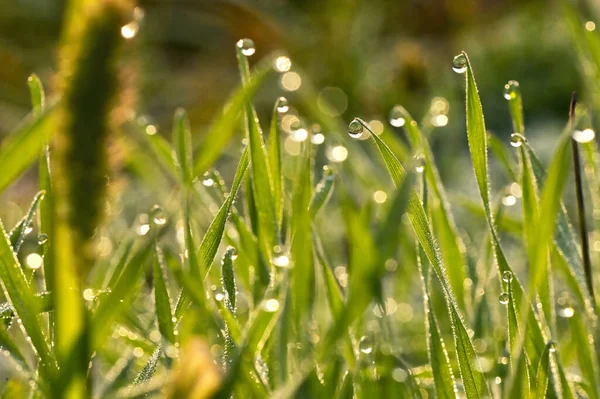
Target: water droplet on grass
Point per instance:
(509, 200)
(355, 129)
(516, 139)
(504, 298)
(89, 294)
(247, 46)
(584, 136)
(507, 276)
(130, 30)
(28, 229)
(281, 261)
(207, 181)
(282, 105)
(552, 347)
(365, 345)
(396, 117)
(271, 305)
(459, 63)
(42, 239)
(566, 312)
(159, 216)
(419, 163)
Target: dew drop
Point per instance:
(396, 117)
(42, 239)
(159, 216)
(459, 63)
(143, 229)
(365, 345)
(355, 129)
(282, 105)
(271, 305)
(584, 136)
(507, 276)
(566, 312)
(247, 46)
(282, 261)
(89, 294)
(516, 139)
(28, 230)
(552, 347)
(504, 298)
(207, 181)
(419, 163)
(511, 89)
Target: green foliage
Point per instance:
(319, 260)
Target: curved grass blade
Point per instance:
(162, 299)
(449, 239)
(20, 231)
(473, 379)
(24, 303)
(149, 369)
(23, 146)
(224, 126)
(228, 279)
(322, 193)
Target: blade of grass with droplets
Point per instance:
(530, 231)
(302, 275)
(473, 380)
(449, 239)
(436, 349)
(110, 305)
(584, 348)
(274, 157)
(543, 373)
(322, 192)
(260, 174)
(477, 138)
(224, 126)
(149, 368)
(162, 299)
(23, 146)
(24, 303)
(520, 383)
(20, 231)
(566, 241)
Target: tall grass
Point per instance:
(314, 295)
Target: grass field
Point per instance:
(329, 260)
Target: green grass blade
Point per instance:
(260, 173)
(110, 305)
(224, 126)
(24, 303)
(22, 148)
(149, 368)
(477, 138)
(37, 94)
(228, 279)
(450, 241)
(302, 274)
(322, 193)
(183, 144)
(274, 156)
(19, 232)
(473, 379)
(162, 300)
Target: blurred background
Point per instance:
(362, 57)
